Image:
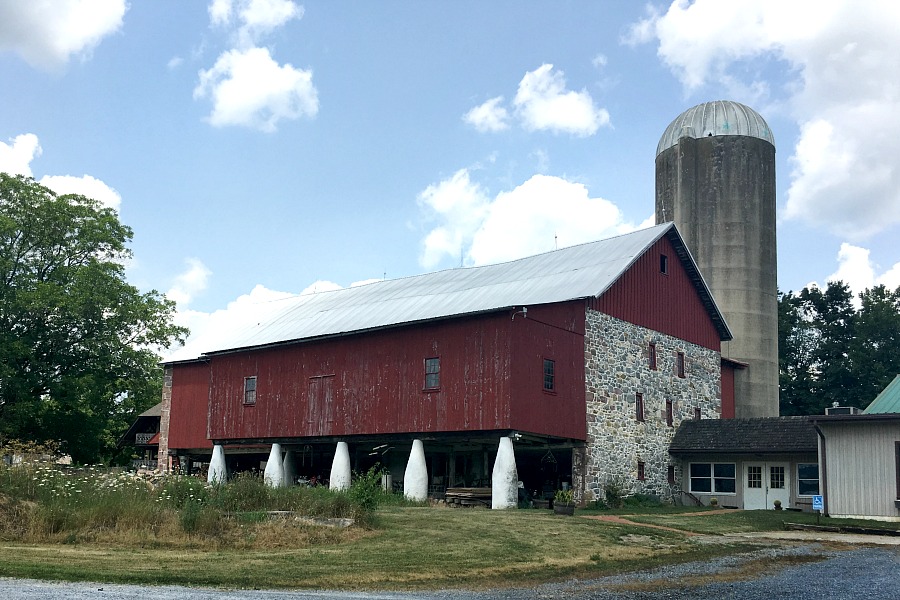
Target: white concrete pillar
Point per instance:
(415, 479)
(218, 472)
(290, 467)
(505, 478)
(274, 473)
(340, 468)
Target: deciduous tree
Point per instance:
(77, 341)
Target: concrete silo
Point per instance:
(715, 178)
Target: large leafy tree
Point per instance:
(77, 342)
(831, 351)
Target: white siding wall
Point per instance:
(861, 468)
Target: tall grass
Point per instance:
(44, 503)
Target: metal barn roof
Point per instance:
(888, 401)
(570, 273)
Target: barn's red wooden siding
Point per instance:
(727, 391)
(668, 303)
(190, 399)
(555, 332)
(372, 383)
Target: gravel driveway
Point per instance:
(860, 573)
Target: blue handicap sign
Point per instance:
(818, 504)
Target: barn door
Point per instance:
(320, 405)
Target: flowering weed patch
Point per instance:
(43, 502)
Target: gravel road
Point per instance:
(860, 573)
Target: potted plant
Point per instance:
(714, 502)
(777, 505)
(564, 502)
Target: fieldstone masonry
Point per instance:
(162, 457)
(617, 368)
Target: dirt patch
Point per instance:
(623, 521)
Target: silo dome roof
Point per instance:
(722, 117)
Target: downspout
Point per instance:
(823, 474)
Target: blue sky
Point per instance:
(261, 148)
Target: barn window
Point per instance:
(639, 406)
(652, 356)
(669, 416)
(717, 478)
(640, 475)
(670, 474)
(250, 390)
(697, 413)
(807, 479)
(679, 364)
(432, 373)
(663, 264)
(549, 375)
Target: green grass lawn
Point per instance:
(409, 548)
(740, 521)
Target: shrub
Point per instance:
(614, 493)
(365, 491)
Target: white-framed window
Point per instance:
(713, 478)
(807, 479)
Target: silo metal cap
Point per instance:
(721, 117)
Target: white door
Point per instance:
(764, 483)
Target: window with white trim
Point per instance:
(714, 478)
(807, 479)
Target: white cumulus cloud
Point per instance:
(249, 88)
(85, 185)
(460, 206)
(256, 17)
(856, 269)
(189, 283)
(541, 214)
(16, 157)
(47, 33)
(214, 331)
(543, 103)
(846, 101)
(489, 116)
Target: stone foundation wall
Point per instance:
(617, 369)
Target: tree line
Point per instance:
(832, 350)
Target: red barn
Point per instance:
(586, 357)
